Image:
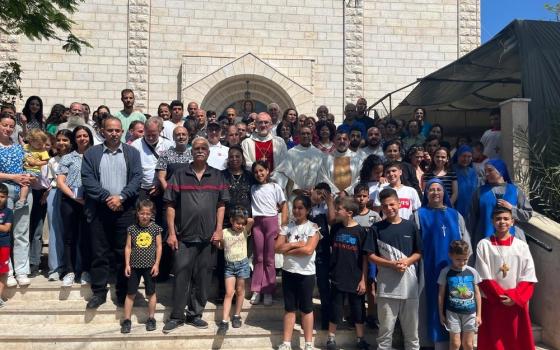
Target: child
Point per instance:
(36, 156)
(366, 218)
(6, 219)
(297, 242)
(348, 271)
(371, 174)
(237, 270)
(459, 297)
(142, 255)
(397, 246)
(409, 200)
(267, 198)
(507, 271)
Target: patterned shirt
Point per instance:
(71, 165)
(12, 161)
(172, 159)
(143, 245)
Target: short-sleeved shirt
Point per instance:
(12, 161)
(300, 264)
(6, 217)
(459, 289)
(235, 245)
(127, 119)
(349, 246)
(265, 199)
(38, 155)
(394, 242)
(410, 202)
(368, 219)
(172, 159)
(196, 202)
(71, 165)
(143, 244)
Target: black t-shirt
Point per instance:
(349, 246)
(6, 217)
(403, 237)
(143, 244)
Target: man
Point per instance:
(218, 152)
(373, 143)
(87, 112)
(300, 170)
(176, 119)
(195, 196)
(241, 131)
(351, 121)
(340, 169)
(274, 112)
(192, 107)
(492, 139)
(232, 117)
(201, 122)
(111, 176)
(362, 113)
(175, 157)
(232, 136)
(355, 138)
(322, 113)
(262, 145)
(127, 115)
(76, 118)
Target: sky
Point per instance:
(496, 14)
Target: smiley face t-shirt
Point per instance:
(143, 244)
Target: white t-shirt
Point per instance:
(265, 199)
(300, 264)
(492, 141)
(410, 202)
(218, 156)
(374, 188)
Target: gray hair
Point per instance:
(200, 139)
(154, 120)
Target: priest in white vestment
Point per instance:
(341, 169)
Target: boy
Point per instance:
(366, 218)
(6, 220)
(348, 270)
(459, 298)
(507, 271)
(409, 200)
(237, 270)
(397, 249)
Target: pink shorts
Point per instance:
(4, 260)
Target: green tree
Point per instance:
(554, 9)
(37, 20)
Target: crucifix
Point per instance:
(443, 228)
(504, 269)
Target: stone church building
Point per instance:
(301, 53)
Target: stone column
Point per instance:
(515, 127)
(353, 50)
(139, 50)
(468, 26)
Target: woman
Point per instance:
(13, 176)
(69, 182)
(420, 115)
(33, 113)
(498, 190)
(63, 146)
(56, 117)
(437, 131)
(285, 130)
(467, 179)
(414, 137)
(439, 225)
(326, 133)
(440, 168)
(415, 157)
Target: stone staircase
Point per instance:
(46, 316)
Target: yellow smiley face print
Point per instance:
(144, 240)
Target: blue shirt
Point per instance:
(112, 170)
(12, 161)
(459, 289)
(71, 166)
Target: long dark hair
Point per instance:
(368, 165)
(27, 111)
(55, 117)
(75, 132)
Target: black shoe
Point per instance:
(197, 322)
(34, 271)
(223, 328)
(331, 344)
(95, 302)
(126, 325)
(171, 325)
(151, 324)
(236, 321)
(362, 345)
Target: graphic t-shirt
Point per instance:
(459, 289)
(367, 219)
(410, 202)
(301, 264)
(6, 217)
(350, 244)
(143, 244)
(235, 245)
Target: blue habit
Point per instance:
(439, 228)
(487, 203)
(467, 182)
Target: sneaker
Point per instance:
(267, 299)
(11, 282)
(197, 322)
(151, 324)
(2, 303)
(95, 302)
(308, 347)
(54, 276)
(331, 344)
(223, 328)
(34, 271)
(255, 299)
(85, 278)
(23, 280)
(171, 325)
(284, 346)
(362, 345)
(126, 325)
(236, 321)
(68, 279)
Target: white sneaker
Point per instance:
(85, 278)
(284, 346)
(23, 280)
(11, 282)
(255, 299)
(2, 303)
(268, 299)
(54, 276)
(68, 279)
(308, 347)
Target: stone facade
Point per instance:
(313, 52)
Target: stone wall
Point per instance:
(469, 26)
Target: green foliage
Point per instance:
(10, 77)
(554, 9)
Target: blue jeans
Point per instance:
(56, 243)
(20, 232)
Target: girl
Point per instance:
(440, 169)
(297, 242)
(32, 114)
(142, 255)
(371, 174)
(36, 157)
(266, 199)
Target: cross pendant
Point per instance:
(443, 228)
(504, 269)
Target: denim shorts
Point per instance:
(239, 269)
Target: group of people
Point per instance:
(374, 209)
